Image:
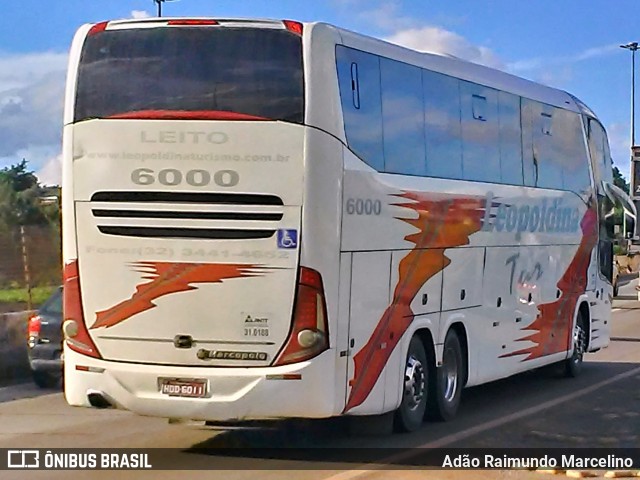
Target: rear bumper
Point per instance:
(50, 366)
(233, 393)
(46, 358)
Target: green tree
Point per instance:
(619, 181)
(20, 199)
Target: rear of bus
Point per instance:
(183, 188)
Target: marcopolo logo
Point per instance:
(546, 215)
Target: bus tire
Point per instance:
(446, 385)
(573, 364)
(410, 414)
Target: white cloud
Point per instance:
(140, 14)
(18, 70)
(442, 41)
(31, 102)
(51, 171)
(538, 63)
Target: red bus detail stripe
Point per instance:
(185, 115)
(165, 278)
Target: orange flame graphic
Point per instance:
(442, 222)
(553, 324)
(167, 278)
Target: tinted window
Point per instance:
(547, 137)
(510, 139)
(442, 125)
(53, 304)
(249, 71)
(599, 151)
(571, 153)
(403, 118)
(359, 79)
(553, 148)
(480, 133)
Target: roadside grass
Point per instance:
(20, 295)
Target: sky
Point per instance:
(568, 44)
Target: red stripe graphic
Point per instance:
(166, 278)
(442, 222)
(553, 324)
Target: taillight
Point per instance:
(310, 333)
(294, 27)
(33, 330)
(97, 28)
(34, 326)
(73, 327)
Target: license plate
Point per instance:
(191, 388)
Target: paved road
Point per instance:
(538, 409)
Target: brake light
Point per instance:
(74, 329)
(294, 27)
(34, 325)
(192, 22)
(97, 28)
(310, 333)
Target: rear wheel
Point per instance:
(573, 365)
(45, 379)
(410, 414)
(446, 389)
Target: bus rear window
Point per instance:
(254, 73)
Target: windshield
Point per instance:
(253, 73)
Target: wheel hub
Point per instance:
(579, 342)
(414, 382)
(450, 374)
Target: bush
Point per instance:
(619, 250)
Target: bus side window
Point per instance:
(480, 133)
(360, 97)
(443, 131)
(510, 139)
(403, 118)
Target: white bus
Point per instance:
(267, 219)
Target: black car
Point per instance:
(45, 342)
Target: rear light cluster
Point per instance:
(33, 330)
(97, 28)
(309, 335)
(294, 27)
(74, 329)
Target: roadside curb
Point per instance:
(592, 473)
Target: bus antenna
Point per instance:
(159, 4)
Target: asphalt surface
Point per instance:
(601, 408)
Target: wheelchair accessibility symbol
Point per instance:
(287, 238)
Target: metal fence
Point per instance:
(30, 258)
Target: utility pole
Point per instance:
(633, 186)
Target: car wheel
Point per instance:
(615, 289)
(446, 391)
(409, 416)
(45, 380)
